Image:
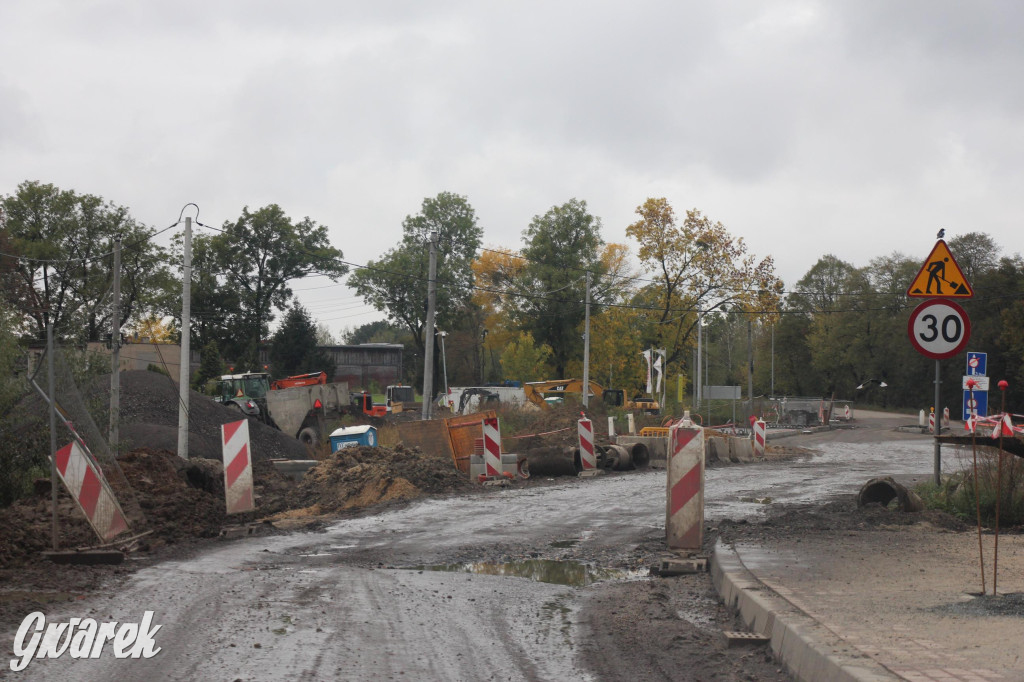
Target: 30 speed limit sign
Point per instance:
(939, 329)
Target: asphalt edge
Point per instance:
(810, 651)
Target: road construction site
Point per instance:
(386, 562)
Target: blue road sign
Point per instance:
(980, 407)
(977, 363)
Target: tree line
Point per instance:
(508, 311)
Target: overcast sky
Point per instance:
(855, 128)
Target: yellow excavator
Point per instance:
(544, 393)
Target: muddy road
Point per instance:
(540, 583)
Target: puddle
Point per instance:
(571, 573)
(562, 544)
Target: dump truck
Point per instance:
(301, 409)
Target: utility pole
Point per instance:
(115, 353)
(428, 331)
(53, 429)
(750, 365)
(186, 331)
(586, 349)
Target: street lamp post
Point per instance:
(444, 361)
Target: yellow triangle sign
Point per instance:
(940, 276)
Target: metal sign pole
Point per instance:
(938, 428)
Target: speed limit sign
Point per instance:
(939, 329)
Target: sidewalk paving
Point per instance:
(899, 603)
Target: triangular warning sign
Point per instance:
(940, 276)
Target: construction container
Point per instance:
(353, 436)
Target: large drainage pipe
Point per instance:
(884, 490)
(627, 457)
(553, 461)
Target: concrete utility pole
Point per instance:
(115, 353)
(750, 365)
(428, 331)
(53, 430)
(186, 331)
(586, 349)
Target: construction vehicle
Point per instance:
(310, 379)
(299, 410)
(362, 402)
(543, 393)
(401, 398)
(616, 397)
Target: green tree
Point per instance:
(524, 360)
(561, 246)
(256, 257)
(66, 243)
(211, 366)
(294, 349)
(699, 268)
(396, 283)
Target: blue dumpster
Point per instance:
(353, 436)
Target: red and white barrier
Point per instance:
(848, 413)
(237, 467)
(91, 492)
(931, 422)
(821, 412)
(759, 438)
(684, 504)
(492, 447)
(945, 417)
(585, 429)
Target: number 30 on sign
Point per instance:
(939, 329)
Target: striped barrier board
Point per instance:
(931, 422)
(945, 416)
(492, 447)
(684, 504)
(238, 490)
(759, 427)
(848, 413)
(91, 492)
(585, 429)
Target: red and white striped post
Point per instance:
(759, 437)
(945, 417)
(238, 490)
(848, 413)
(90, 491)
(585, 429)
(931, 421)
(492, 447)
(684, 504)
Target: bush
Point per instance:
(956, 495)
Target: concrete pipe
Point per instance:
(627, 457)
(884, 490)
(552, 461)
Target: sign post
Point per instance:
(939, 328)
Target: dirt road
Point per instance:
(539, 583)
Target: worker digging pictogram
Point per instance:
(940, 276)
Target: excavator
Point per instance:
(543, 393)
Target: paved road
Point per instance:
(353, 603)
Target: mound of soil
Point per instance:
(364, 476)
(149, 419)
(176, 500)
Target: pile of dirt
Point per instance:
(363, 476)
(174, 499)
(149, 419)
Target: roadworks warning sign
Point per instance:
(940, 276)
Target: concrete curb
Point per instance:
(810, 651)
